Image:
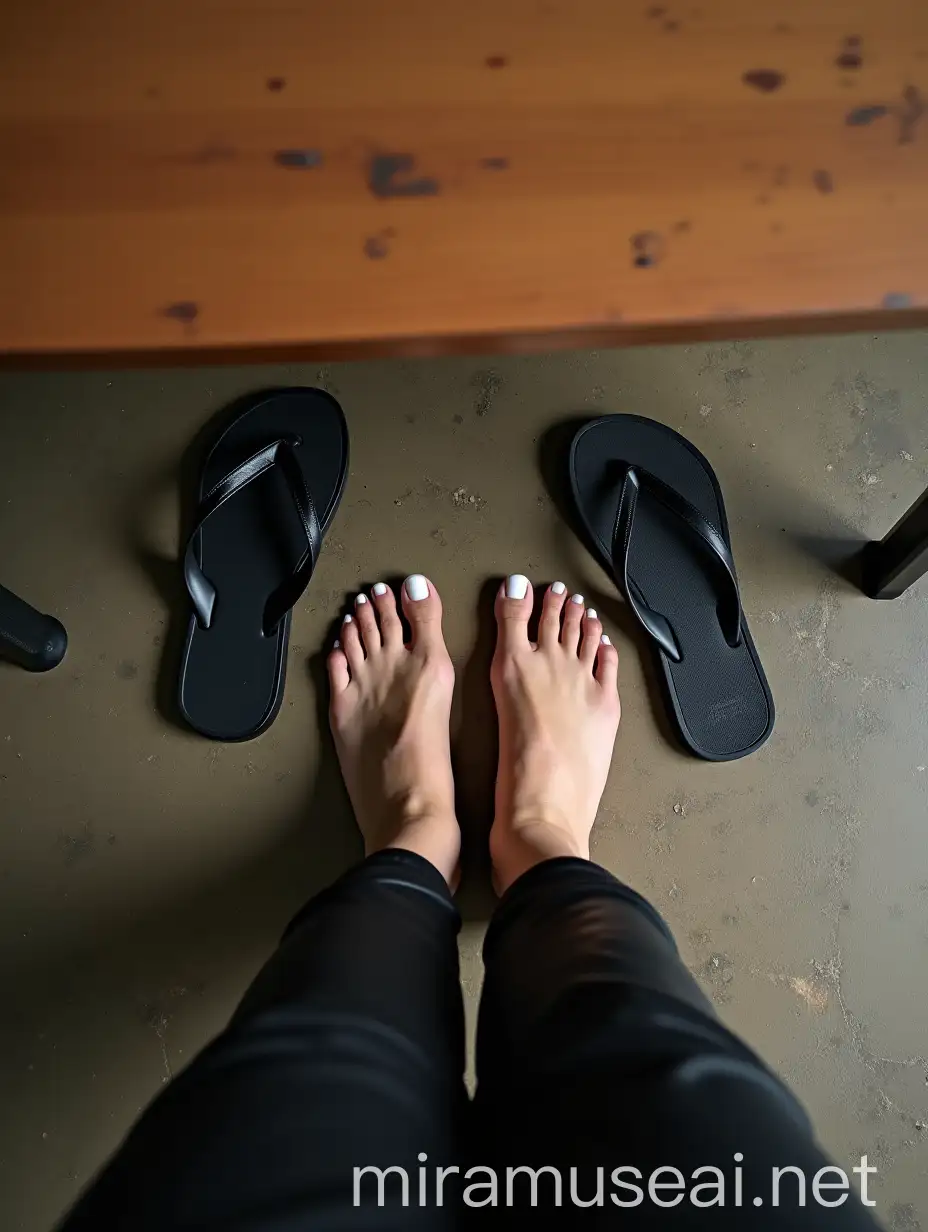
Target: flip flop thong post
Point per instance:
(269, 488)
(653, 509)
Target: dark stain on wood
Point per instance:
(859, 117)
(671, 26)
(850, 55)
(276, 84)
(656, 11)
(783, 27)
(823, 181)
(495, 164)
(764, 79)
(647, 249)
(389, 175)
(781, 175)
(185, 311)
(298, 160)
(376, 247)
(497, 61)
(911, 112)
(681, 227)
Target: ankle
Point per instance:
(434, 835)
(518, 846)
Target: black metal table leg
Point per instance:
(29, 638)
(892, 565)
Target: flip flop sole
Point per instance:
(232, 674)
(718, 693)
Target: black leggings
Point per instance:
(596, 1050)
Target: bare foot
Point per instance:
(558, 706)
(390, 710)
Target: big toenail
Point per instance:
(361, 599)
(417, 587)
(558, 588)
(591, 613)
(578, 599)
(516, 586)
(380, 589)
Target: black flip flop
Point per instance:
(268, 490)
(654, 511)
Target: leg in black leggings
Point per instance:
(347, 1051)
(595, 1046)
(597, 1049)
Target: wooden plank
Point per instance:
(188, 174)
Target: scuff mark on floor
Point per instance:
(815, 997)
(158, 1021)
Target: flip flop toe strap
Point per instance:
(201, 590)
(635, 480)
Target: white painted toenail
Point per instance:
(558, 588)
(605, 640)
(380, 589)
(361, 599)
(578, 599)
(347, 620)
(417, 587)
(591, 613)
(516, 586)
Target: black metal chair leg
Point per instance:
(892, 565)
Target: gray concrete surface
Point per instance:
(145, 873)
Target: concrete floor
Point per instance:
(146, 873)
